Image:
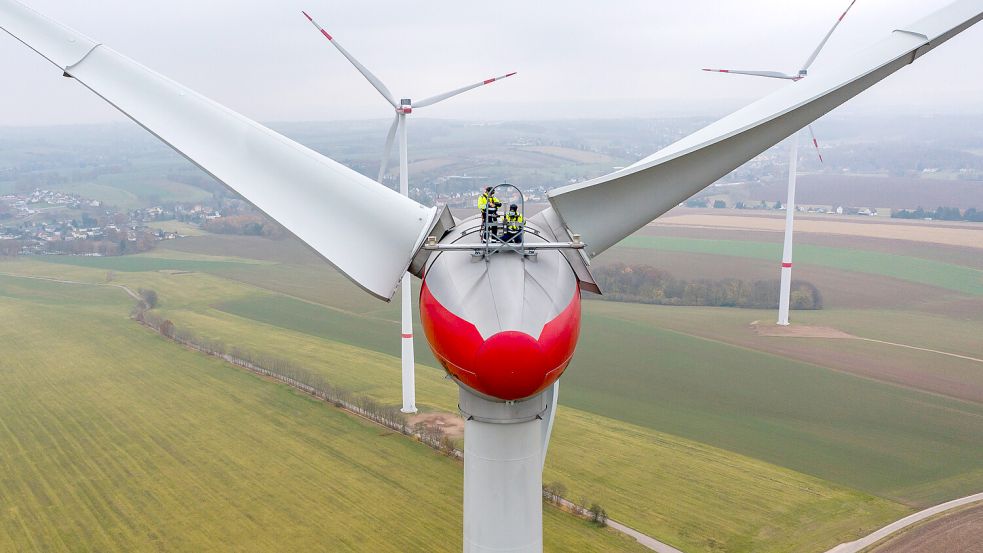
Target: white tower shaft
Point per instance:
(503, 474)
(406, 311)
(786, 286)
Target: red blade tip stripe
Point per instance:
(786, 265)
(309, 18)
(488, 81)
(407, 335)
(326, 35)
(512, 73)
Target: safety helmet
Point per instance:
(513, 207)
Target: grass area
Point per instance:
(182, 229)
(943, 275)
(142, 263)
(695, 496)
(795, 414)
(114, 439)
(887, 440)
(136, 189)
(672, 488)
(375, 333)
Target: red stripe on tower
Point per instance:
(407, 336)
(786, 265)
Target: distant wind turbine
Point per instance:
(786, 282)
(403, 108)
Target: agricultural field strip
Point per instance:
(643, 539)
(663, 399)
(261, 310)
(957, 278)
(895, 527)
(613, 488)
(965, 236)
(205, 380)
(184, 278)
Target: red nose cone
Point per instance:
(510, 365)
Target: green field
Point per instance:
(114, 439)
(673, 488)
(143, 263)
(949, 276)
(135, 188)
(868, 435)
(832, 425)
(680, 421)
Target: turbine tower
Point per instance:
(502, 320)
(403, 108)
(786, 275)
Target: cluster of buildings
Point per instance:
(55, 222)
(30, 204)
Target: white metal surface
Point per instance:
(769, 74)
(608, 209)
(387, 150)
(507, 292)
(786, 279)
(552, 399)
(441, 97)
(822, 44)
(407, 356)
(366, 230)
(399, 127)
(786, 272)
(503, 475)
(373, 80)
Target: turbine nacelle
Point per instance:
(503, 326)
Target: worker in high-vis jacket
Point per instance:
(513, 224)
(488, 205)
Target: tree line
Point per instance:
(555, 493)
(647, 284)
(246, 225)
(941, 214)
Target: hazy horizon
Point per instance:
(575, 60)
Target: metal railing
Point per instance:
(492, 242)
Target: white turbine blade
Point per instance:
(816, 144)
(387, 152)
(769, 74)
(822, 44)
(607, 209)
(441, 97)
(366, 230)
(373, 80)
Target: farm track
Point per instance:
(895, 527)
(131, 293)
(956, 355)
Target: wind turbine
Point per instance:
(503, 321)
(403, 108)
(786, 275)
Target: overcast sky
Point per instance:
(575, 58)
